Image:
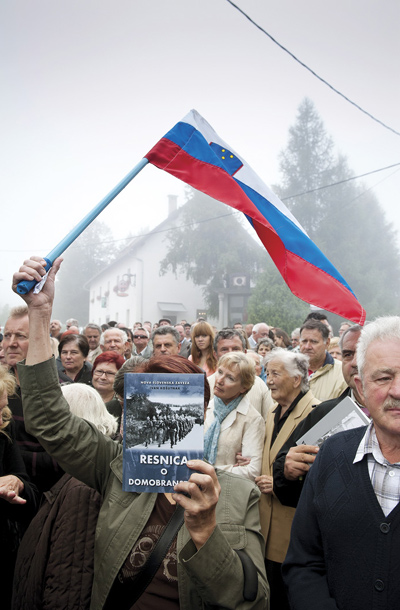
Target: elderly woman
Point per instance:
(233, 426)
(220, 512)
(17, 496)
(56, 556)
(105, 367)
(73, 350)
(287, 378)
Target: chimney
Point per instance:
(172, 204)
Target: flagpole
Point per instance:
(25, 286)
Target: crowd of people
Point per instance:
(262, 522)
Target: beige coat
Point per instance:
(276, 519)
(241, 431)
(328, 381)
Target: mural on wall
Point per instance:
(123, 285)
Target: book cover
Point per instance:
(163, 429)
(346, 415)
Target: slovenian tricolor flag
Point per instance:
(195, 154)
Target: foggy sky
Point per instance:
(89, 87)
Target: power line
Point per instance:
(312, 71)
(319, 188)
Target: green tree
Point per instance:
(210, 245)
(90, 253)
(345, 221)
(273, 303)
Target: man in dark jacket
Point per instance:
(293, 461)
(343, 551)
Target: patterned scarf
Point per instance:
(211, 437)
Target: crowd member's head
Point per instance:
(260, 331)
(348, 347)
(334, 348)
(343, 327)
(281, 338)
(249, 329)
(140, 339)
(295, 337)
(314, 341)
(146, 325)
(73, 350)
(166, 341)
(16, 336)
(187, 329)
(55, 328)
(114, 340)
(2, 358)
(72, 322)
(257, 359)
(7, 388)
(234, 376)
(287, 375)
(264, 346)
(86, 403)
(164, 322)
(229, 340)
(180, 330)
(129, 366)
(129, 341)
(321, 317)
(105, 368)
(238, 325)
(202, 344)
(92, 332)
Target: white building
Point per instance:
(131, 288)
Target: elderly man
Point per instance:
(326, 379)
(72, 322)
(166, 341)
(92, 332)
(141, 342)
(55, 329)
(230, 340)
(259, 331)
(41, 468)
(293, 461)
(114, 340)
(287, 378)
(344, 548)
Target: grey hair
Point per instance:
(257, 326)
(129, 366)
(228, 333)
(355, 328)
(387, 327)
(142, 328)
(166, 330)
(296, 332)
(123, 334)
(93, 327)
(72, 322)
(85, 402)
(295, 363)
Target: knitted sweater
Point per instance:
(344, 553)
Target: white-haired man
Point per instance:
(114, 340)
(344, 548)
(259, 331)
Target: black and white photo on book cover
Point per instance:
(163, 429)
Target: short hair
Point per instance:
(313, 324)
(166, 330)
(229, 333)
(296, 332)
(256, 327)
(165, 320)
(354, 328)
(85, 402)
(316, 315)
(128, 332)
(129, 366)
(295, 363)
(246, 367)
(144, 329)
(110, 358)
(92, 327)
(264, 341)
(387, 327)
(124, 336)
(7, 385)
(334, 342)
(186, 325)
(72, 322)
(177, 365)
(80, 341)
(19, 312)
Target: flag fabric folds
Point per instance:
(195, 154)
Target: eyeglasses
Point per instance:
(99, 373)
(140, 336)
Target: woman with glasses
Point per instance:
(105, 368)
